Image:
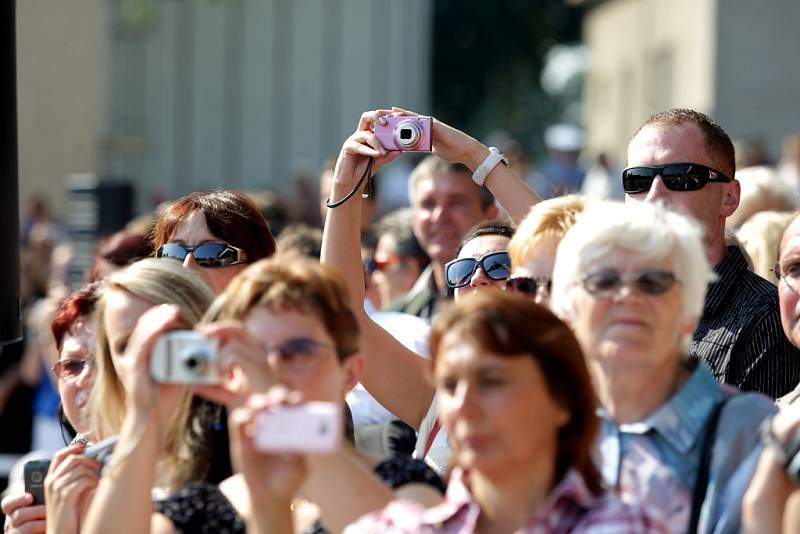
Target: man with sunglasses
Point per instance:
(686, 160)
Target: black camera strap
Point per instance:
(367, 188)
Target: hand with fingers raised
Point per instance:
(69, 486)
(273, 480)
(451, 144)
(356, 152)
(134, 366)
(244, 367)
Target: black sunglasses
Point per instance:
(527, 285)
(70, 368)
(206, 254)
(652, 282)
(496, 265)
(676, 177)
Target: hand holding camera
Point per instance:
(260, 444)
(185, 357)
(405, 133)
(241, 365)
(65, 483)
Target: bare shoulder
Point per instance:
(235, 490)
(161, 524)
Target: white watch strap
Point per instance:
(491, 161)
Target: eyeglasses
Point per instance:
(299, 353)
(384, 262)
(206, 254)
(788, 272)
(526, 285)
(71, 368)
(676, 177)
(496, 265)
(652, 282)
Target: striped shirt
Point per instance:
(570, 507)
(740, 335)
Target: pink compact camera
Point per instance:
(311, 427)
(405, 133)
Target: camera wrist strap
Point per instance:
(367, 188)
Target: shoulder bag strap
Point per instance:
(704, 471)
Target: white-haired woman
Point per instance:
(631, 280)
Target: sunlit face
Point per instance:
(122, 311)
(660, 145)
(629, 328)
(477, 248)
(194, 231)
(497, 410)
(446, 206)
(789, 285)
(539, 267)
(317, 374)
(78, 344)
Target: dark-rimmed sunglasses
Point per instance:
(652, 282)
(496, 266)
(70, 368)
(676, 177)
(526, 285)
(206, 254)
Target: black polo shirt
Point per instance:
(740, 335)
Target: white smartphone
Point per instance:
(310, 427)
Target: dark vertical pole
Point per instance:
(10, 318)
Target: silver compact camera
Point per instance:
(185, 357)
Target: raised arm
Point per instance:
(395, 376)
(455, 146)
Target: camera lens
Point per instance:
(407, 134)
(195, 361)
(36, 476)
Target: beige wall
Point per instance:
(61, 92)
(645, 56)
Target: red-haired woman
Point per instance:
(71, 477)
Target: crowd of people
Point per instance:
(484, 360)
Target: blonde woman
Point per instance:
(150, 419)
(760, 237)
(533, 247)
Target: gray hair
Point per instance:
(649, 230)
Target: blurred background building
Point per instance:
(733, 59)
(178, 95)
